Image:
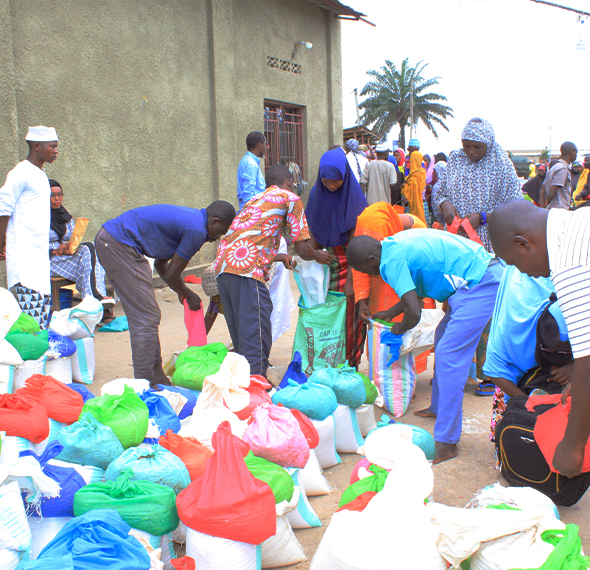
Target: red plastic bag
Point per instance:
(195, 325)
(258, 394)
(23, 417)
(62, 403)
(359, 503)
(186, 563)
(227, 501)
(309, 430)
(193, 454)
(471, 233)
(550, 429)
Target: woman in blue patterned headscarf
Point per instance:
(477, 179)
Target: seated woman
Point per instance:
(528, 349)
(83, 266)
(380, 220)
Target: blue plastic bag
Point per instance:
(191, 399)
(65, 563)
(394, 342)
(62, 345)
(69, 482)
(153, 463)
(81, 389)
(294, 372)
(346, 383)
(97, 540)
(88, 442)
(161, 412)
(316, 401)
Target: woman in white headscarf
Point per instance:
(477, 179)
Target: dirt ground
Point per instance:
(456, 481)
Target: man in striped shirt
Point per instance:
(556, 243)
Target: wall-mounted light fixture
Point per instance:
(308, 45)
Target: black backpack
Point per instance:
(521, 462)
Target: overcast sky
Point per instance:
(513, 62)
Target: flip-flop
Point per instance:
(485, 389)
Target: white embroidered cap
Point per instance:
(41, 134)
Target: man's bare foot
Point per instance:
(444, 452)
(425, 413)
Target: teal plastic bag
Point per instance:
(118, 324)
(346, 383)
(88, 442)
(98, 540)
(321, 333)
(152, 463)
(567, 554)
(316, 401)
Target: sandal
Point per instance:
(107, 317)
(485, 388)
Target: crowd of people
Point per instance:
(468, 222)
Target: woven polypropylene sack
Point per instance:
(395, 382)
(313, 481)
(365, 416)
(214, 553)
(6, 378)
(152, 463)
(303, 515)
(282, 549)
(147, 506)
(23, 372)
(326, 449)
(43, 531)
(60, 369)
(15, 536)
(83, 361)
(126, 415)
(346, 430)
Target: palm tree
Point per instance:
(388, 100)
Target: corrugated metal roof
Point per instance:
(339, 10)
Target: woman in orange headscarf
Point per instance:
(414, 186)
(380, 220)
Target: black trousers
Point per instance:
(247, 308)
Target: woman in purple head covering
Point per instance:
(335, 202)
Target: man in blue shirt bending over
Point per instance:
(250, 178)
(442, 266)
(171, 235)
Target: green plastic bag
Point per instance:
(374, 482)
(321, 333)
(277, 478)
(196, 363)
(370, 388)
(144, 505)
(127, 415)
(567, 554)
(25, 324)
(29, 346)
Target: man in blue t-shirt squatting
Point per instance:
(171, 235)
(444, 267)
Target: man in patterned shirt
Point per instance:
(556, 243)
(242, 262)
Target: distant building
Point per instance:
(152, 101)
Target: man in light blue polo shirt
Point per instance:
(171, 235)
(444, 267)
(250, 177)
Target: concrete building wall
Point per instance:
(152, 101)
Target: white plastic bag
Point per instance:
(346, 430)
(421, 337)
(312, 479)
(79, 321)
(281, 297)
(60, 369)
(393, 531)
(326, 449)
(210, 410)
(214, 553)
(365, 416)
(116, 387)
(313, 280)
(9, 311)
(176, 400)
